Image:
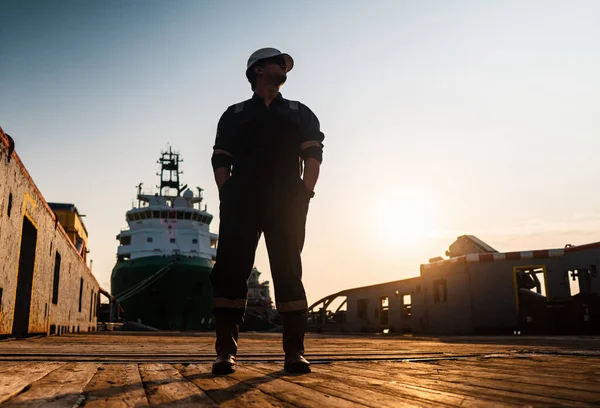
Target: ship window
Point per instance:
(179, 215)
(126, 240)
(188, 215)
(148, 214)
(156, 214)
(194, 241)
(195, 217)
(172, 215)
(142, 215)
(203, 219)
(136, 216)
(172, 240)
(163, 214)
(149, 239)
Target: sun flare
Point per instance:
(406, 219)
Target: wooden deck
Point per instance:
(131, 370)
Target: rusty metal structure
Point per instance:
(46, 286)
(477, 290)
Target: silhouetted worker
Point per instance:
(266, 160)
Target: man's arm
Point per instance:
(222, 174)
(311, 173)
(222, 157)
(312, 149)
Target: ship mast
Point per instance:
(169, 171)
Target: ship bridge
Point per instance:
(169, 221)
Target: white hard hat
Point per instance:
(264, 53)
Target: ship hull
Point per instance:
(177, 294)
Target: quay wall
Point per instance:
(45, 285)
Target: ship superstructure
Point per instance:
(165, 255)
(169, 222)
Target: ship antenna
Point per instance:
(139, 187)
(169, 170)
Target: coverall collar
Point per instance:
(259, 100)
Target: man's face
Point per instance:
(275, 71)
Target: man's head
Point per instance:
(268, 66)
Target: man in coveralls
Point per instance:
(266, 161)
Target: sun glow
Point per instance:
(407, 219)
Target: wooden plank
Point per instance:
(410, 391)
(294, 394)
(61, 388)
(165, 385)
(364, 393)
(588, 383)
(556, 387)
(116, 385)
(225, 390)
(6, 366)
(490, 390)
(193, 343)
(18, 377)
(560, 365)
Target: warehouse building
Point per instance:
(46, 286)
(477, 290)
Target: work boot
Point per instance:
(226, 345)
(294, 326)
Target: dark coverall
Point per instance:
(264, 147)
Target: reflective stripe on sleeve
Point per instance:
(229, 303)
(310, 143)
(295, 306)
(221, 151)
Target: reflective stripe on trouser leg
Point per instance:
(221, 302)
(293, 306)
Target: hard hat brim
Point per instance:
(289, 61)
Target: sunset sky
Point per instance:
(441, 118)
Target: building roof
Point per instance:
(68, 207)
(512, 256)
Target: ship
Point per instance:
(260, 313)
(165, 255)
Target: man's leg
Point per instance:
(238, 238)
(284, 237)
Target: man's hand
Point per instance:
(311, 173)
(222, 174)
